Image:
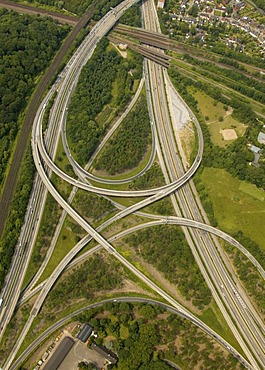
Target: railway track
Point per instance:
(151, 54)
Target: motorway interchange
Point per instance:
(238, 311)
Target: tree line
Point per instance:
(27, 45)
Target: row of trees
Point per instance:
(143, 335)
(236, 80)
(166, 248)
(129, 143)
(27, 45)
(224, 51)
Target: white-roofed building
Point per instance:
(261, 138)
(161, 4)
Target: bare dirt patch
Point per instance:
(130, 287)
(122, 52)
(187, 138)
(229, 134)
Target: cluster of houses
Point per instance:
(211, 11)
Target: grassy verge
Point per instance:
(237, 205)
(213, 317)
(68, 238)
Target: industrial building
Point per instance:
(85, 332)
(104, 352)
(60, 353)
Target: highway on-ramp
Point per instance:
(40, 154)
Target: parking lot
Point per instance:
(80, 352)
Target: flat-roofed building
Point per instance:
(161, 4)
(60, 353)
(261, 138)
(85, 332)
(255, 149)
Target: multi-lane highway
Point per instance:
(29, 232)
(42, 151)
(236, 308)
(186, 203)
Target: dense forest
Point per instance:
(132, 17)
(153, 178)
(143, 336)
(27, 45)
(129, 143)
(94, 92)
(166, 248)
(91, 206)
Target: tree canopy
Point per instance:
(27, 45)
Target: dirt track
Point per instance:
(25, 131)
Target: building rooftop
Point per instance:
(255, 149)
(160, 4)
(85, 332)
(104, 352)
(60, 353)
(261, 138)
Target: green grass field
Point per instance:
(208, 106)
(214, 110)
(237, 205)
(214, 318)
(66, 241)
